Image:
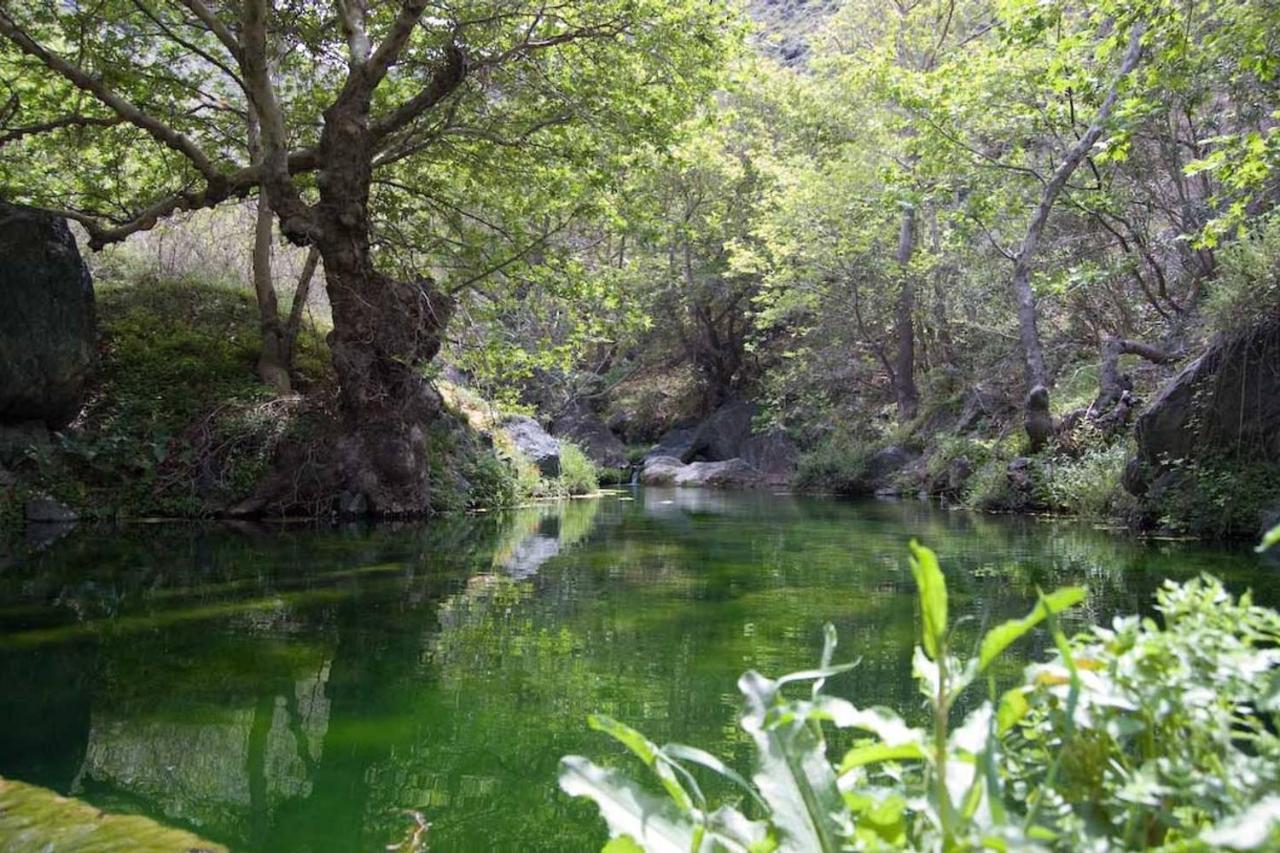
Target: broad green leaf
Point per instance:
(628, 809)
(1270, 540)
(933, 598)
(1013, 707)
(646, 751)
(1004, 635)
(860, 756)
(698, 756)
(794, 776)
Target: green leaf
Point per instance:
(697, 756)
(794, 776)
(1013, 707)
(933, 598)
(646, 751)
(1270, 540)
(629, 810)
(1002, 636)
(861, 756)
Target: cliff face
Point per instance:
(785, 26)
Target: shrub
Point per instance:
(1216, 497)
(578, 474)
(1248, 281)
(838, 464)
(1136, 736)
(1088, 486)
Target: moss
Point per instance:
(177, 422)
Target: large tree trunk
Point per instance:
(904, 374)
(1038, 427)
(384, 332)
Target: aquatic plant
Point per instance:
(1134, 736)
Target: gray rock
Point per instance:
(585, 429)
(676, 442)
(535, 443)
(46, 510)
(981, 405)
(1224, 402)
(886, 462)
(774, 455)
(47, 322)
(721, 436)
(19, 442)
(660, 470)
(728, 474)
(958, 473)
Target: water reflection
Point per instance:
(299, 689)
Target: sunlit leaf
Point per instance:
(1004, 635)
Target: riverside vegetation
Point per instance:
(1018, 255)
(1138, 735)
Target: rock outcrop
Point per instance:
(47, 321)
(774, 455)
(729, 474)
(1226, 403)
(535, 443)
(721, 436)
(585, 429)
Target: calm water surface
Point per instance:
(303, 689)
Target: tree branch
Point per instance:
(128, 111)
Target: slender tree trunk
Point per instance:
(1037, 377)
(908, 397)
(300, 296)
(273, 359)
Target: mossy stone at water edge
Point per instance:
(33, 818)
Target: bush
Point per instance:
(838, 464)
(1248, 281)
(1088, 486)
(1216, 498)
(578, 474)
(1131, 737)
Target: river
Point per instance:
(308, 689)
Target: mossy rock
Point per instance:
(33, 818)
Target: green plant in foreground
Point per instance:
(1137, 736)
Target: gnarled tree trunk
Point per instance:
(384, 331)
(1037, 424)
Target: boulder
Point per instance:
(676, 442)
(660, 470)
(981, 406)
(585, 428)
(774, 455)
(721, 436)
(958, 474)
(1225, 403)
(535, 443)
(46, 510)
(728, 474)
(47, 321)
(886, 462)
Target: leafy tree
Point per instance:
(373, 117)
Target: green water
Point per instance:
(303, 689)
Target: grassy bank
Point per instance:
(177, 423)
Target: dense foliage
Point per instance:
(1137, 735)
